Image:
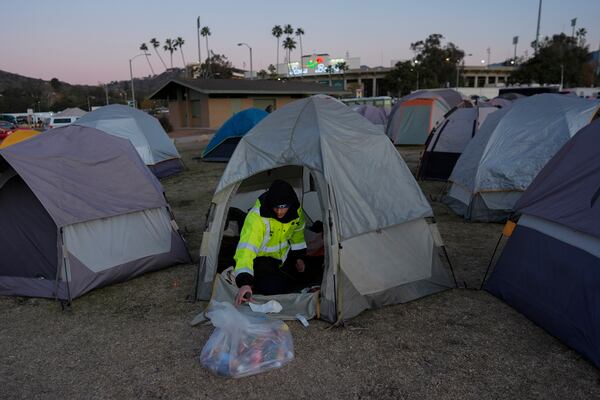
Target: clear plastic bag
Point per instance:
(242, 345)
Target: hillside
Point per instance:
(18, 92)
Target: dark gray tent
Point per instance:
(549, 269)
(79, 210)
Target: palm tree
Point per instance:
(277, 32)
(179, 43)
(289, 44)
(155, 43)
(144, 48)
(168, 46)
(342, 66)
(329, 71)
(288, 30)
(581, 32)
(300, 33)
(205, 32)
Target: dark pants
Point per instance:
(271, 279)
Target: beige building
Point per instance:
(369, 82)
(207, 103)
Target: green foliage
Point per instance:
(262, 74)
(219, 66)
(434, 65)
(561, 53)
(437, 64)
(402, 79)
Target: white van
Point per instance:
(56, 122)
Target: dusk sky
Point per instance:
(87, 42)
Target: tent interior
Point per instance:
(251, 188)
(28, 229)
(391, 265)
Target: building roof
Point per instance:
(238, 86)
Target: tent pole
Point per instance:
(451, 267)
(202, 259)
(491, 261)
(64, 256)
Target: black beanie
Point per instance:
(279, 193)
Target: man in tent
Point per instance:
(269, 255)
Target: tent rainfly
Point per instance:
(222, 145)
(79, 210)
(448, 140)
(143, 130)
(379, 248)
(411, 121)
(377, 115)
(549, 269)
(512, 146)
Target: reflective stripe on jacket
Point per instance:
(267, 237)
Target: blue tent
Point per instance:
(225, 141)
(549, 269)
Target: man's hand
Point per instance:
(243, 295)
(300, 265)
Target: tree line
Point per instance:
(560, 59)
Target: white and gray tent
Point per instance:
(71, 112)
(448, 140)
(143, 130)
(79, 210)
(512, 146)
(379, 247)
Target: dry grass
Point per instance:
(133, 340)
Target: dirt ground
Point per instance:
(133, 340)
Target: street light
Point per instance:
(416, 62)
(131, 75)
(249, 48)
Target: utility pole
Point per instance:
(198, 32)
(515, 41)
(537, 34)
(489, 52)
(573, 23)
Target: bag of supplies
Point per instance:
(242, 345)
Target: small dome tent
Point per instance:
(379, 248)
(80, 210)
(512, 146)
(549, 269)
(143, 130)
(448, 140)
(222, 145)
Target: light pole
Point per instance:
(249, 48)
(131, 76)
(416, 62)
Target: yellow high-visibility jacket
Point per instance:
(267, 237)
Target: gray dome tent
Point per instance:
(143, 130)
(512, 146)
(379, 249)
(80, 210)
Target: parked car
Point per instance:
(57, 122)
(6, 128)
(8, 118)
